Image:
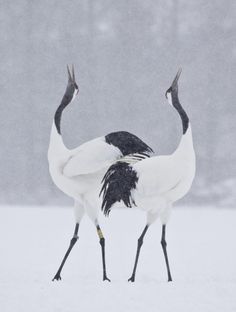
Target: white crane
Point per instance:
(154, 184)
(78, 172)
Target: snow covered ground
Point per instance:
(202, 252)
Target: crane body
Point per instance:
(78, 172)
(154, 184)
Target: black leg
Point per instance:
(102, 243)
(72, 243)
(164, 244)
(140, 242)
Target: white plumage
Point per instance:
(169, 177)
(91, 157)
(159, 181)
(78, 172)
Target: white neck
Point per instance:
(56, 145)
(185, 148)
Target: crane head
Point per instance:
(72, 88)
(173, 89)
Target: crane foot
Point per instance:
(57, 277)
(105, 278)
(131, 279)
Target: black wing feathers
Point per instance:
(127, 143)
(118, 183)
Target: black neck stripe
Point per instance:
(181, 111)
(65, 101)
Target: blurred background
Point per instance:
(126, 54)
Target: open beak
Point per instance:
(71, 75)
(174, 84)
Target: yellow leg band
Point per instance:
(100, 233)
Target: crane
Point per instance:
(154, 184)
(78, 172)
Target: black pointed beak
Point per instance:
(174, 84)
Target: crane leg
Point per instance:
(102, 243)
(164, 244)
(72, 243)
(140, 243)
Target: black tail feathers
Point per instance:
(118, 182)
